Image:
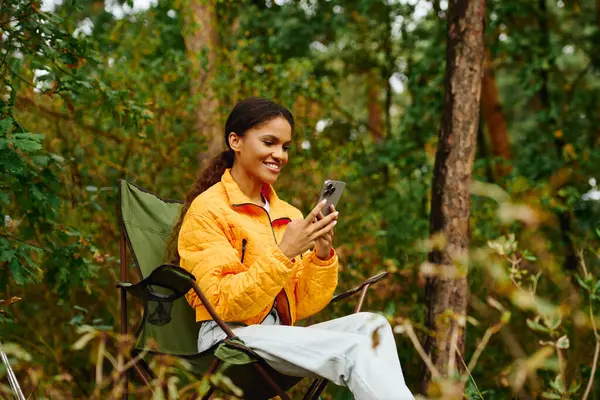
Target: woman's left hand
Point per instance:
(323, 243)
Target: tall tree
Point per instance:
(374, 107)
(446, 293)
(202, 41)
(493, 116)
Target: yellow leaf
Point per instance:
(12, 300)
(376, 339)
(83, 341)
(570, 151)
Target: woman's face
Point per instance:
(263, 150)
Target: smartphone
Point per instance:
(331, 191)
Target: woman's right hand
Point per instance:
(300, 234)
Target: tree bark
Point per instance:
(374, 108)
(450, 201)
(494, 117)
(202, 41)
(598, 13)
(482, 152)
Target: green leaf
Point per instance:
(7, 255)
(28, 142)
(582, 283)
(536, 326)
(16, 271)
(5, 124)
(574, 387)
(528, 256)
(17, 351)
(79, 308)
(558, 384)
(553, 322)
(550, 395)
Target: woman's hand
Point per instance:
(303, 234)
(323, 243)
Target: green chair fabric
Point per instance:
(147, 222)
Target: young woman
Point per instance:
(251, 255)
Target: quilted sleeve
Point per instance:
(315, 284)
(236, 296)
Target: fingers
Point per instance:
(327, 238)
(315, 211)
(331, 211)
(320, 216)
(324, 221)
(325, 229)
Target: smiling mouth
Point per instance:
(273, 167)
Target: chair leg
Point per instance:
(363, 293)
(143, 374)
(322, 384)
(283, 395)
(123, 261)
(311, 390)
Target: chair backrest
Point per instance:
(147, 221)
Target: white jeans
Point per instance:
(357, 351)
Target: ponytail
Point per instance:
(208, 177)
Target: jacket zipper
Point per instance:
(244, 241)
(275, 238)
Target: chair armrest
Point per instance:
(178, 281)
(371, 281)
(175, 279)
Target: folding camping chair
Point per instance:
(169, 322)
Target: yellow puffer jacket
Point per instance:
(230, 245)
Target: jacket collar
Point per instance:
(278, 208)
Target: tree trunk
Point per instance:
(598, 13)
(450, 200)
(374, 108)
(202, 41)
(494, 117)
(482, 152)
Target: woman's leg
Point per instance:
(373, 326)
(340, 350)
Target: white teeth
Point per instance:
(274, 167)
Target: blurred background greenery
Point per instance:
(97, 90)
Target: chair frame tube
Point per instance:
(123, 263)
